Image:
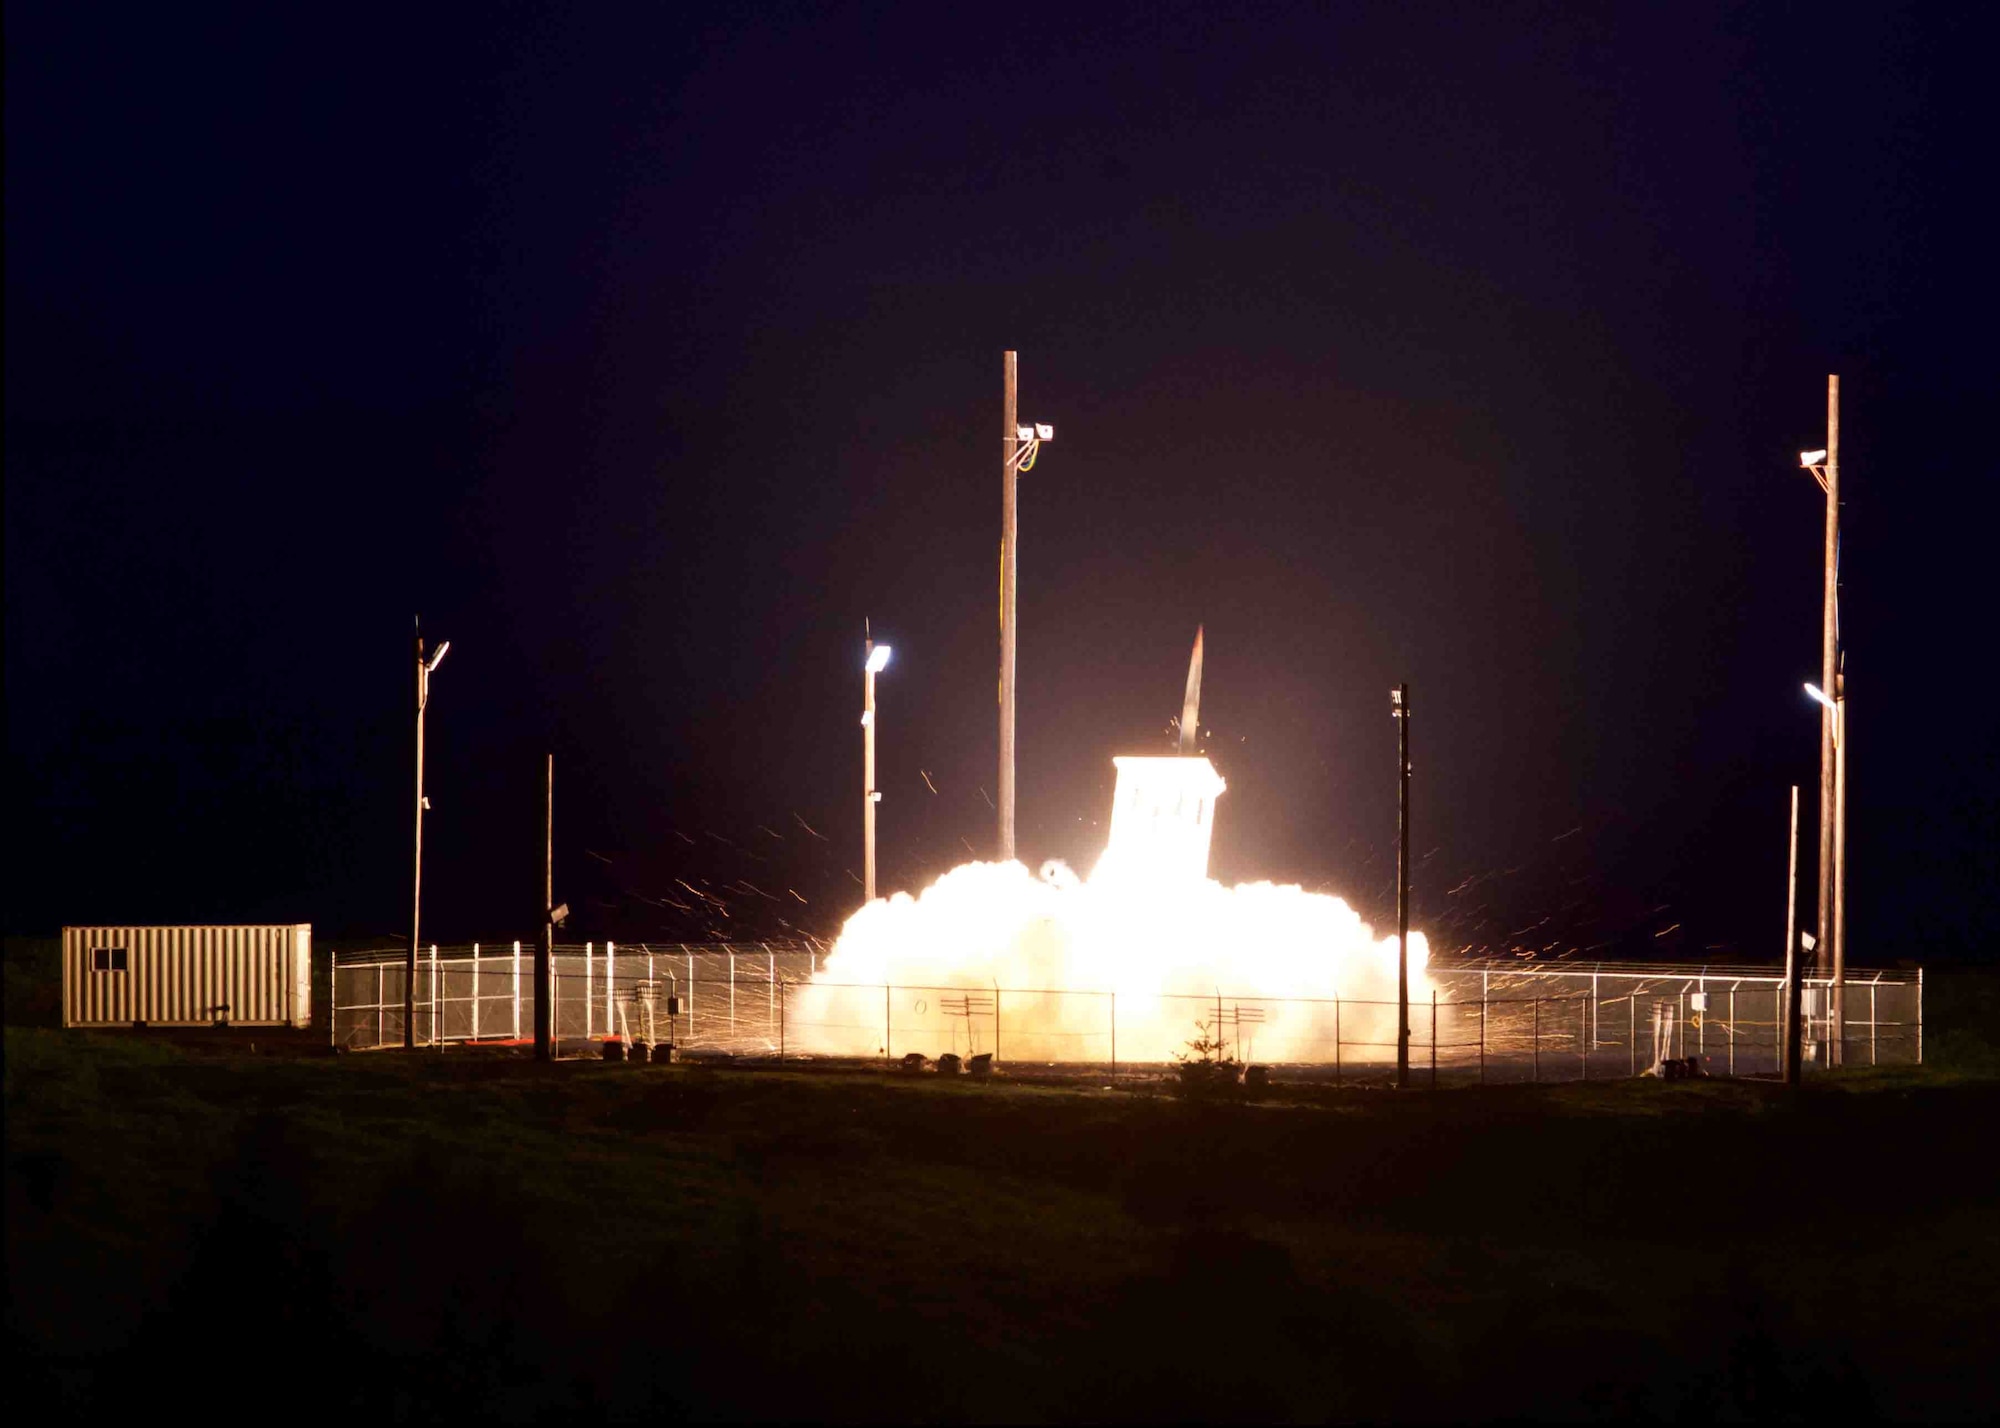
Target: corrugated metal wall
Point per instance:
(189, 976)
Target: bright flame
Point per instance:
(1148, 944)
(1172, 954)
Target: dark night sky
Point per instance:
(648, 353)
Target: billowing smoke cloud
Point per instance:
(1265, 968)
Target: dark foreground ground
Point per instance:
(461, 1236)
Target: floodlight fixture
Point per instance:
(878, 659)
(1024, 433)
(1044, 432)
(559, 914)
(437, 657)
(1819, 694)
(1810, 459)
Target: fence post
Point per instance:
(589, 989)
(888, 1028)
(770, 984)
(1920, 1016)
(1871, 1021)
(1632, 1029)
(1434, 1038)
(1336, 1038)
(517, 989)
(610, 989)
(475, 991)
(1583, 1037)
(1114, 1038)
(996, 1023)
(437, 1004)
(1482, 1028)
(781, 1026)
(1732, 1030)
(1538, 1038)
(732, 993)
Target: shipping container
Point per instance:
(187, 976)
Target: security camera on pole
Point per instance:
(1825, 467)
(1020, 445)
(424, 670)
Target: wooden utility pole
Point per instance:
(416, 845)
(1400, 697)
(1009, 526)
(1829, 945)
(1789, 1052)
(545, 950)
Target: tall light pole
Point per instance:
(1019, 447)
(1825, 467)
(422, 688)
(1835, 709)
(875, 658)
(1399, 700)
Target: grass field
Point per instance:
(477, 1236)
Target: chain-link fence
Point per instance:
(706, 996)
(1484, 1022)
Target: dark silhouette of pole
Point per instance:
(545, 950)
(1401, 698)
(1009, 529)
(1793, 969)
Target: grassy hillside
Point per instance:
(470, 1235)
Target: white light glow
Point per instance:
(1819, 694)
(878, 659)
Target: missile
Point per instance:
(1191, 702)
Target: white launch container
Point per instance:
(188, 976)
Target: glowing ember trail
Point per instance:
(1148, 948)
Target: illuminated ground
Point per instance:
(480, 1237)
